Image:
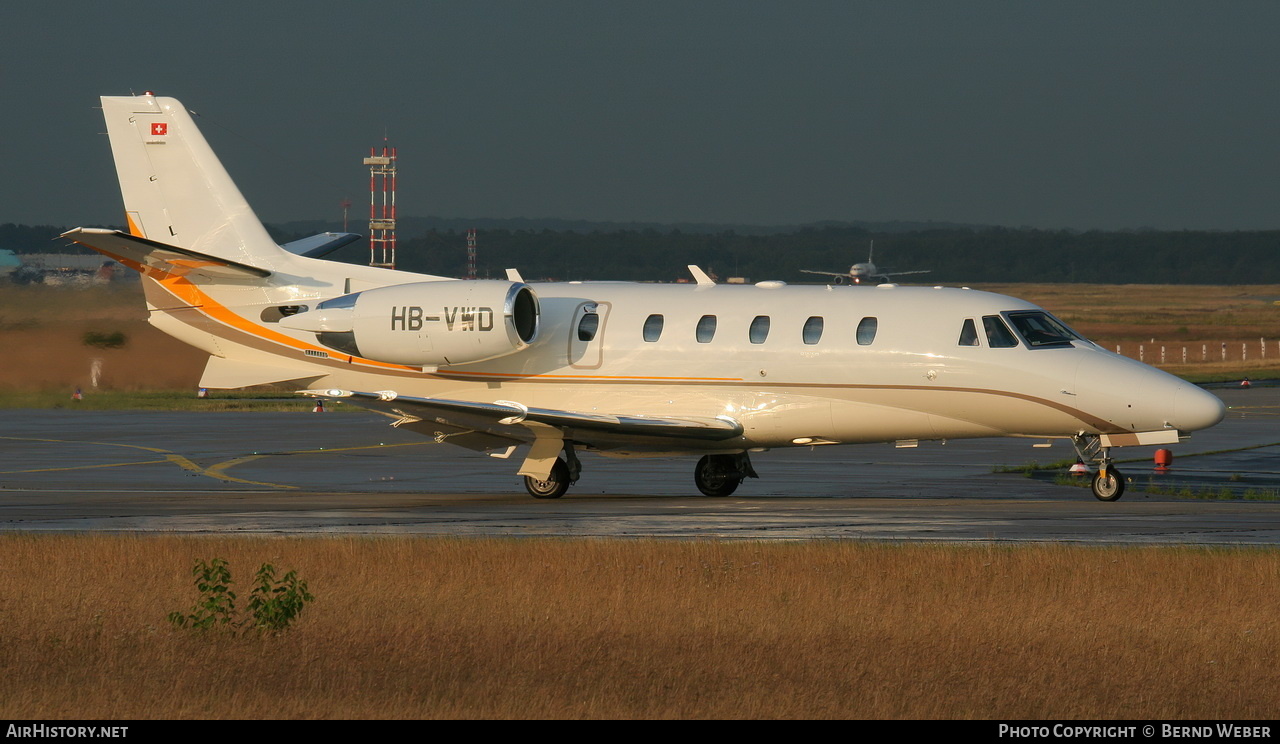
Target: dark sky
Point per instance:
(1074, 114)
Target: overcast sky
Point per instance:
(1075, 114)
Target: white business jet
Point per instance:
(864, 272)
(620, 369)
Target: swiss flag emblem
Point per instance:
(159, 127)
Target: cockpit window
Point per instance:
(1042, 329)
(998, 334)
(968, 333)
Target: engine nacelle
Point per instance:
(427, 323)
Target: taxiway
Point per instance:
(349, 473)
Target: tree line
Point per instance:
(951, 254)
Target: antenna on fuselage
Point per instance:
(700, 276)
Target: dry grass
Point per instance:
(1190, 314)
(451, 628)
(42, 331)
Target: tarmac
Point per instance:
(345, 473)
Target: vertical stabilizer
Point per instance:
(175, 189)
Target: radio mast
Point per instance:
(382, 215)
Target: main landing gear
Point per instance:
(719, 475)
(563, 474)
(1108, 483)
(715, 475)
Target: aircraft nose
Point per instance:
(1194, 408)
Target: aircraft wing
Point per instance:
(143, 253)
(844, 274)
(904, 273)
(504, 423)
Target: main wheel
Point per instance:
(553, 487)
(716, 475)
(1108, 488)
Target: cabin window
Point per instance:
(759, 329)
(1042, 329)
(867, 331)
(812, 330)
(653, 328)
(587, 326)
(998, 334)
(968, 333)
(706, 329)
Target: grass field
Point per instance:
(1237, 319)
(533, 629)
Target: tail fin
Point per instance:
(175, 190)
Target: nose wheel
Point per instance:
(1108, 483)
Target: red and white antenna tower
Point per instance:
(382, 216)
(471, 253)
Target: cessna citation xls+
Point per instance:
(716, 371)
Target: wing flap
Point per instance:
(511, 420)
(142, 254)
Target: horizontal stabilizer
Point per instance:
(320, 245)
(142, 254)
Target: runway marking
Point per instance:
(219, 470)
(83, 467)
(172, 457)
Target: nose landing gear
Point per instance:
(1108, 483)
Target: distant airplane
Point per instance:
(864, 272)
(716, 371)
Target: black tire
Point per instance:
(553, 487)
(1109, 488)
(714, 475)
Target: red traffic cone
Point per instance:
(319, 406)
(76, 395)
(1079, 468)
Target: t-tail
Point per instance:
(199, 246)
(175, 189)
